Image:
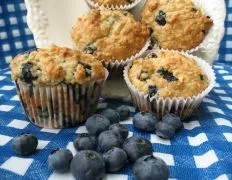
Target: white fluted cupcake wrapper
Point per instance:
(62, 105)
(115, 65)
(112, 7)
(181, 106)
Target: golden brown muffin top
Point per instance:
(109, 34)
(168, 74)
(176, 24)
(56, 65)
(113, 2)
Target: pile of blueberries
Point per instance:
(166, 128)
(110, 138)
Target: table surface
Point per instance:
(201, 150)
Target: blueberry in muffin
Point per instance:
(27, 75)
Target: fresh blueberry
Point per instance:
(59, 160)
(84, 141)
(88, 165)
(165, 130)
(25, 144)
(173, 120)
(161, 18)
(112, 115)
(137, 147)
(150, 168)
(145, 121)
(27, 75)
(120, 129)
(115, 159)
(124, 112)
(96, 124)
(108, 139)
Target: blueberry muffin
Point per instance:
(176, 24)
(56, 65)
(58, 87)
(168, 74)
(113, 2)
(109, 35)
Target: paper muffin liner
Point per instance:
(184, 107)
(112, 7)
(117, 65)
(62, 105)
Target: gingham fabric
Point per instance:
(201, 150)
(15, 36)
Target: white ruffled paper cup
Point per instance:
(117, 65)
(184, 107)
(112, 7)
(62, 105)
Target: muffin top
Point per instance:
(168, 74)
(56, 65)
(176, 24)
(109, 34)
(113, 2)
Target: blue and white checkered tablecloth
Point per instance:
(201, 150)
